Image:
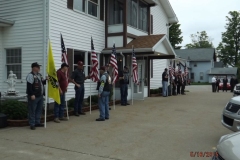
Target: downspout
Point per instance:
(168, 30)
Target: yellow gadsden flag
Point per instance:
(53, 90)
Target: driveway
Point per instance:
(155, 129)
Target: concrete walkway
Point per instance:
(155, 129)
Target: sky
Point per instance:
(203, 15)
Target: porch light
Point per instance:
(159, 54)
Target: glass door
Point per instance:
(138, 89)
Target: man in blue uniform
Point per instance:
(103, 95)
(78, 78)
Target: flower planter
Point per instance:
(22, 123)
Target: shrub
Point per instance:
(94, 99)
(15, 110)
(71, 103)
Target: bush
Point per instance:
(94, 99)
(15, 110)
(155, 91)
(71, 103)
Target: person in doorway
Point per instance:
(214, 84)
(35, 92)
(63, 84)
(78, 78)
(225, 81)
(217, 84)
(124, 81)
(165, 83)
(103, 95)
(232, 83)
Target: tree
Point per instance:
(200, 40)
(175, 36)
(228, 49)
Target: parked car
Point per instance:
(228, 147)
(221, 86)
(236, 90)
(231, 114)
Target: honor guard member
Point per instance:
(165, 83)
(124, 81)
(78, 78)
(35, 91)
(103, 95)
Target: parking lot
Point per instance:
(155, 129)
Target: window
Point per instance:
(201, 75)
(195, 64)
(79, 5)
(93, 7)
(14, 61)
(133, 13)
(86, 6)
(192, 76)
(138, 14)
(143, 16)
(115, 12)
(78, 56)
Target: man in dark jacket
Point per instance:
(35, 91)
(124, 81)
(225, 81)
(232, 83)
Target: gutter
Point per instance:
(128, 50)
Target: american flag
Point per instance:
(170, 70)
(173, 68)
(185, 69)
(113, 62)
(64, 54)
(134, 67)
(94, 71)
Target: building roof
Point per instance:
(145, 41)
(218, 65)
(223, 71)
(197, 54)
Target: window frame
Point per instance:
(85, 12)
(201, 76)
(12, 64)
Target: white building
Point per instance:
(26, 25)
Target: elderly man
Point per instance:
(214, 80)
(78, 78)
(35, 91)
(103, 95)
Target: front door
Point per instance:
(138, 89)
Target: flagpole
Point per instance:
(114, 95)
(90, 97)
(67, 109)
(46, 93)
(132, 77)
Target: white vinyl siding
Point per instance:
(1, 58)
(26, 33)
(159, 27)
(159, 19)
(77, 30)
(158, 67)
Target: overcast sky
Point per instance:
(200, 15)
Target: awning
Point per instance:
(6, 23)
(153, 46)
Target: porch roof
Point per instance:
(152, 46)
(5, 22)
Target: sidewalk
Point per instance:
(155, 129)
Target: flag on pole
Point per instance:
(179, 67)
(173, 68)
(185, 69)
(134, 67)
(64, 54)
(53, 90)
(170, 70)
(113, 62)
(94, 71)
